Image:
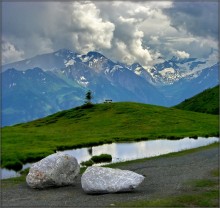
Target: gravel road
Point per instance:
(164, 177)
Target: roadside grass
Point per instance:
(203, 199)
(215, 173)
(13, 181)
(202, 193)
(100, 124)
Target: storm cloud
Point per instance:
(124, 31)
(197, 18)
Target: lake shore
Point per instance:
(121, 152)
(100, 124)
(165, 176)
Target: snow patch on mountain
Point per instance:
(85, 58)
(95, 60)
(12, 85)
(28, 61)
(71, 62)
(83, 81)
(167, 71)
(115, 68)
(138, 71)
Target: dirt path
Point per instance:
(164, 176)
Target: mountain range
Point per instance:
(47, 83)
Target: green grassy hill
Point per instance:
(101, 123)
(205, 102)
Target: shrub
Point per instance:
(101, 158)
(16, 165)
(194, 137)
(97, 159)
(87, 163)
(87, 105)
(24, 172)
(173, 138)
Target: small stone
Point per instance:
(100, 180)
(58, 169)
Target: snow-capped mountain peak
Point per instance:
(164, 73)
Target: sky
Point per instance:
(125, 31)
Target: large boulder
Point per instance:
(58, 169)
(100, 180)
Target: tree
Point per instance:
(88, 98)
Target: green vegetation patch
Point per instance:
(87, 163)
(205, 102)
(205, 199)
(101, 158)
(202, 193)
(100, 124)
(215, 173)
(97, 159)
(204, 183)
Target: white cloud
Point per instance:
(130, 32)
(185, 40)
(121, 51)
(182, 54)
(129, 42)
(10, 53)
(92, 32)
(154, 38)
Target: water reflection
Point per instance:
(130, 151)
(5, 173)
(90, 151)
(136, 150)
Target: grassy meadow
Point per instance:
(205, 102)
(98, 124)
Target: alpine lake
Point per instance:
(126, 151)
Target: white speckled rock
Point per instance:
(58, 169)
(97, 180)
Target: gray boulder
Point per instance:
(99, 180)
(58, 169)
